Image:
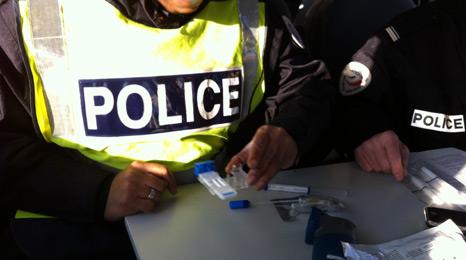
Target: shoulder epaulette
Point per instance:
(409, 23)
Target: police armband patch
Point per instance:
(354, 78)
(295, 37)
(438, 122)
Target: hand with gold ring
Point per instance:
(152, 194)
(138, 189)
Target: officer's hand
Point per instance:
(130, 188)
(270, 150)
(383, 152)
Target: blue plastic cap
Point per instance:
(239, 204)
(203, 167)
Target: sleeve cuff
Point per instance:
(102, 196)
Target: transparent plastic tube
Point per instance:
(237, 180)
(307, 190)
(301, 205)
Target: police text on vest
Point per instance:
(137, 106)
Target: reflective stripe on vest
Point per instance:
(119, 91)
(20, 214)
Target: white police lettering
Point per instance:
(438, 122)
(93, 110)
(200, 99)
(135, 106)
(122, 102)
(164, 118)
(188, 100)
(227, 96)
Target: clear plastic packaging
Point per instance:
(290, 208)
(304, 205)
(237, 178)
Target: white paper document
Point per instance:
(438, 177)
(444, 242)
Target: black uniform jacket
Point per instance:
(418, 86)
(41, 177)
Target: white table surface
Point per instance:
(196, 225)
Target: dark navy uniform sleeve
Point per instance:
(417, 78)
(303, 99)
(298, 94)
(38, 176)
(364, 93)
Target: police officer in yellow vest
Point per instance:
(106, 105)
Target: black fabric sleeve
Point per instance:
(44, 178)
(34, 175)
(366, 113)
(303, 100)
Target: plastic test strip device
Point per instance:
(208, 176)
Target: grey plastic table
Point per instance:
(196, 225)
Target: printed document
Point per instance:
(438, 177)
(442, 242)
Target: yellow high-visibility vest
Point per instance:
(119, 91)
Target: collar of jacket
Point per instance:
(152, 13)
